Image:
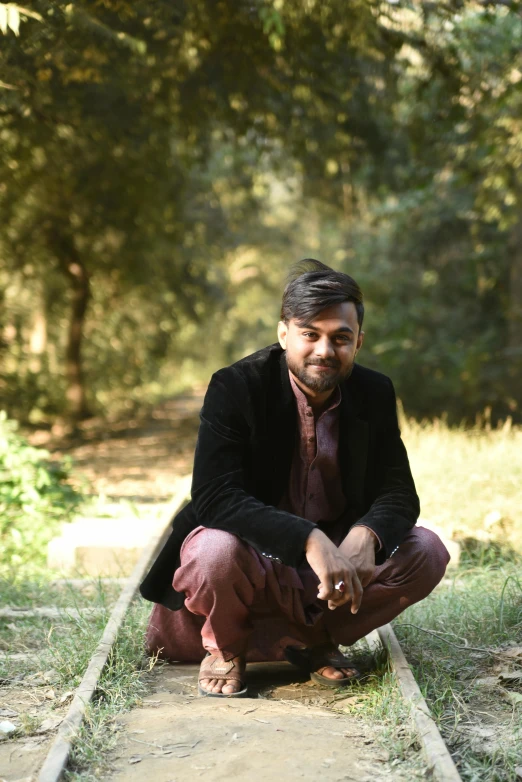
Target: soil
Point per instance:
(288, 729)
(30, 702)
(135, 459)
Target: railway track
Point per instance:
(436, 755)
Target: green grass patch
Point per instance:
(458, 643)
(120, 688)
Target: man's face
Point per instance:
(321, 353)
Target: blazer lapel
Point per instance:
(283, 422)
(353, 445)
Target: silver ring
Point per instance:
(340, 587)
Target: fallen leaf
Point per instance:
(513, 677)
(513, 697)
(515, 651)
(343, 702)
(49, 724)
(8, 713)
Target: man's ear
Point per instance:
(360, 340)
(282, 331)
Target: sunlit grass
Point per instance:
(468, 480)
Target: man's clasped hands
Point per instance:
(353, 563)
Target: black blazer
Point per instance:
(244, 454)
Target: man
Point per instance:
(300, 534)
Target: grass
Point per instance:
(469, 484)
(377, 699)
(58, 654)
(120, 687)
(456, 642)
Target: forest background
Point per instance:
(164, 163)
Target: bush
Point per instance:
(35, 498)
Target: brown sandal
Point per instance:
(214, 667)
(316, 659)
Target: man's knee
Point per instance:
(431, 555)
(213, 551)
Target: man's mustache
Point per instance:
(331, 364)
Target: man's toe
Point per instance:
(331, 673)
(217, 685)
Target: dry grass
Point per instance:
(468, 480)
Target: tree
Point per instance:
(113, 110)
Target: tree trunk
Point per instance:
(38, 340)
(514, 352)
(79, 286)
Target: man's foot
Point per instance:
(338, 673)
(326, 664)
(220, 678)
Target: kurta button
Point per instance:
(311, 439)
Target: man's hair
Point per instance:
(312, 287)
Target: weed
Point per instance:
(120, 687)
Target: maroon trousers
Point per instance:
(239, 601)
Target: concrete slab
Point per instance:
(102, 546)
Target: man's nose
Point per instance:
(324, 348)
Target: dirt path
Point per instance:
(136, 459)
(292, 730)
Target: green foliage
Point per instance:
(149, 150)
(34, 498)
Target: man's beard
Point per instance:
(317, 383)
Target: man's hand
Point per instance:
(332, 565)
(359, 547)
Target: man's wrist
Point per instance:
(366, 532)
(314, 537)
